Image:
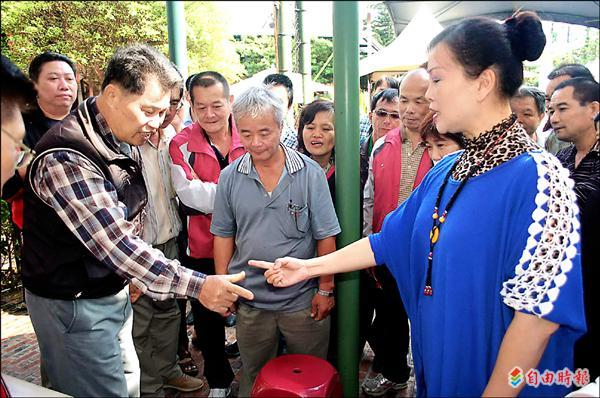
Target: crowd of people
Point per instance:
(478, 221)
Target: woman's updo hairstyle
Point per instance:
(479, 43)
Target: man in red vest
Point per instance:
(199, 153)
(397, 165)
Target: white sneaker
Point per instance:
(219, 392)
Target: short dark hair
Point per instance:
(180, 83)
(479, 43)
(131, 66)
(279, 79)
(17, 89)
(391, 82)
(428, 129)
(188, 81)
(538, 96)
(208, 79)
(571, 70)
(386, 95)
(584, 89)
(308, 115)
(35, 67)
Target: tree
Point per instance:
(382, 25)
(208, 44)
(584, 54)
(322, 49)
(256, 53)
(87, 32)
(531, 74)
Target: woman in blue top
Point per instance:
(486, 250)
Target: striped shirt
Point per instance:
(587, 172)
(88, 205)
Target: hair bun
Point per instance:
(526, 36)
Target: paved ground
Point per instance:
(20, 355)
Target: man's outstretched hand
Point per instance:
(284, 271)
(219, 292)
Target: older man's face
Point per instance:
(259, 135)
(527, 113)
(136, 117)
(212, 108)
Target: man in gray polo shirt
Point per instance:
(273, 202)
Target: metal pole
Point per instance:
(284, 40)
(305, 53)
(177, 37)
(346, 91)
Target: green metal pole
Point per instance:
(347, 187)
(304, 56)
(177, 37)
(284, 39)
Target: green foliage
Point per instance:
(382, 25)
(584, 54)
(256, 53)
(87, 32)
(90, 31)
(321, 50)
(10, 249)
(531, 75)
(208, 44)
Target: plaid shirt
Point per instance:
(289, 137)
(88, 204)
(365, 128)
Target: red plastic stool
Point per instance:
(297, 375)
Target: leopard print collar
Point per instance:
(514, 143)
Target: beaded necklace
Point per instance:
(434, 234)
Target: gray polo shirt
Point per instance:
(289, 222)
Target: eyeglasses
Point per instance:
(25, 155)
(382, 113)
(176, 105)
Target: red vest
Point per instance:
(387, 171)
(206, 167)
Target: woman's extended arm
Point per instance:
(288, 270)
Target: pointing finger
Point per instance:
(234, 278)
(240, 291)
(260, 264)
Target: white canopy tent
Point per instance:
(408, 50)
(296, 78)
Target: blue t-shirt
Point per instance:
(510, 242)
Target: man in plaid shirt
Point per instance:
(83, 209)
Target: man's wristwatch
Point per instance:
(325, 293)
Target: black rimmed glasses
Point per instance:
(176, 104)
(384, 113)
(25, 155)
